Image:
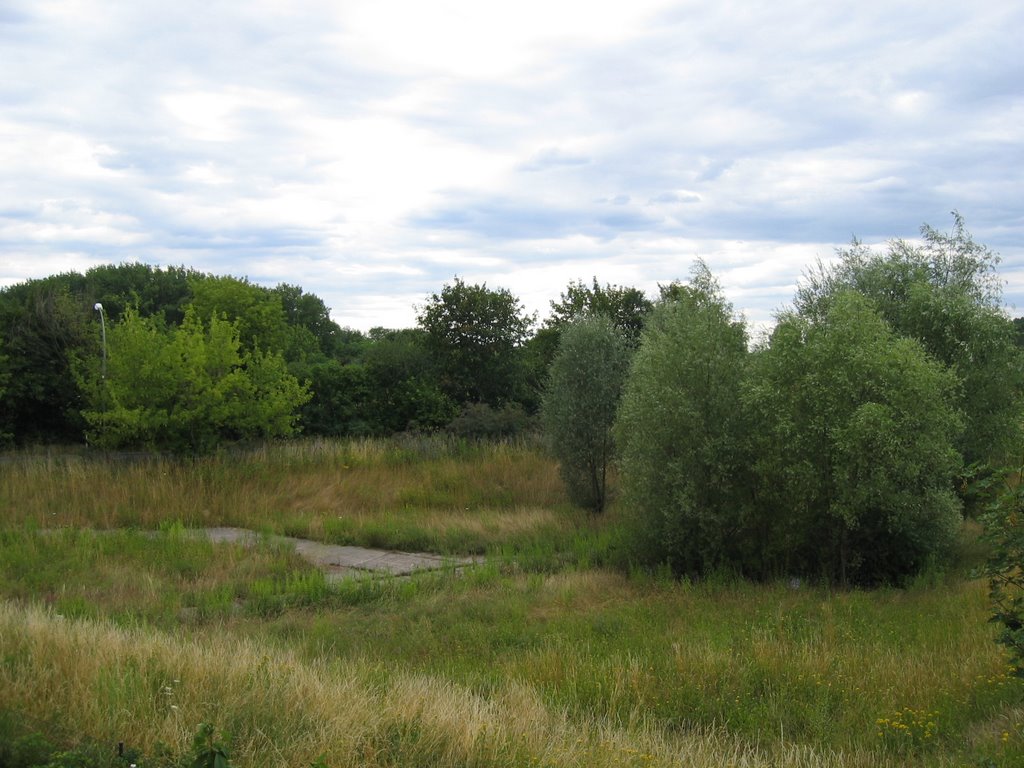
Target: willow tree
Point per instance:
(579, 405)
(680, 430)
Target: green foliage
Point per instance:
(406, 393)
(1004, 532)
(480, 421)
(476, 335)
(340, 394)
(680, 431)
(207, 752)
(188, 389)
(44, 330)
(308, 311)
(258, 314)
(580, 402)
(626, 307)
(151, 291)
(48, 327)
(945, 294)
(855, 455)
(5, 437)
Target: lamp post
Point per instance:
(103, 331)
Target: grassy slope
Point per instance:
(533, 659)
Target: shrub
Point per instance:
(679, 430)
(579, 405)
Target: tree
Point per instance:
(45, 329)
(580, 402)
(1004, 534)
(151, 291)
(187, 389)
(257, 312)
(406, 393)
(680, 430)
(5, 437)
(855, 456)
(946, 294)
(306, 310)
(476, 335)
(626, 307)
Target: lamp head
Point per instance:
(98, 307)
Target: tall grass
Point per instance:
(109, 684)
(438, 494)
(539, 657)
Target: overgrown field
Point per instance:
(545, 655)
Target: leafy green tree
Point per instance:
(1018, 328)
(855, 456)
(306, 310)
(187, 389)
(44, 329)
(258, 313)
(339, 405)
(627, 307)
(1004, 533)
(405, 384)
(476, 335)
(151, 291)
(580, 403)
(680, 431)
(946, 294)
(5, 437)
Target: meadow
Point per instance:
(117, 625)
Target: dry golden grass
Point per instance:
(505, 665)
(346, 491)
(112, 684)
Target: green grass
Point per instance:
(542, 656)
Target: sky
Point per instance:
(370, 151)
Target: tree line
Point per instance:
(191, 361)
(844, 445)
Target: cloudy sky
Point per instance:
(371, 150)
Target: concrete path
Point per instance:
(339, 561)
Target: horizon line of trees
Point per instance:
(476, 363)
(843, 445)
(191, 359)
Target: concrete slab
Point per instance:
(341, 560)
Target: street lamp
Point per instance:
(103, 330)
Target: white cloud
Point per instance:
(371, 150)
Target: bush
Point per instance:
(579, 405)
(482, 421)
(680, 431)
(855, 451)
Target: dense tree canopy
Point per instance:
(187, 389)
(855, 455)
(476, 335)
(626, 307)
(831, 451)
(45, 328)
(944, 293)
